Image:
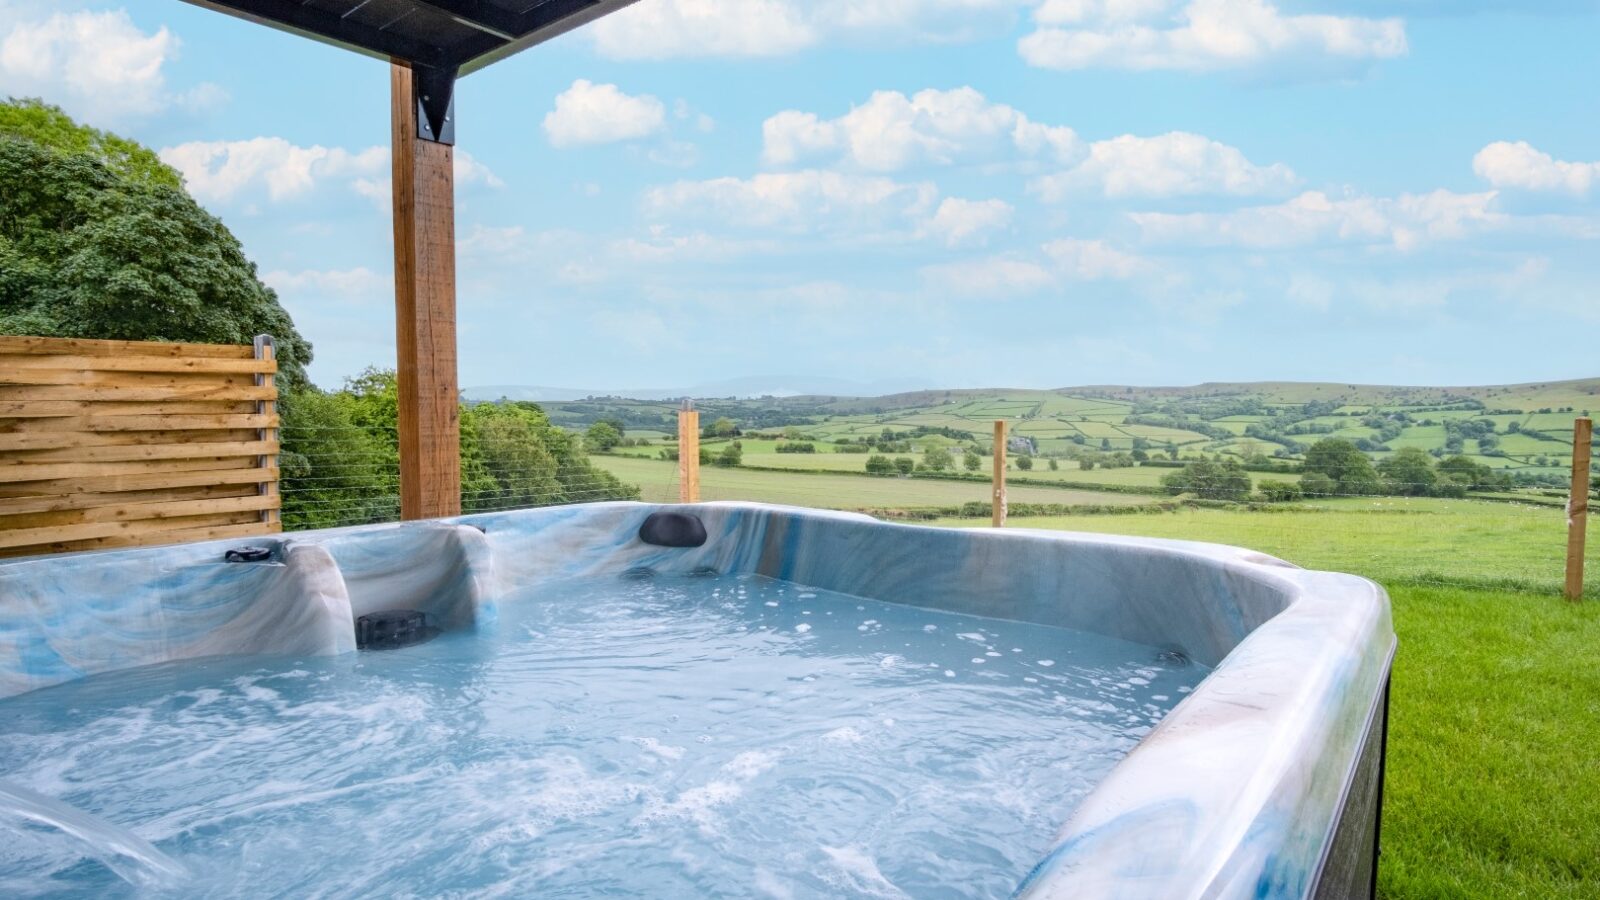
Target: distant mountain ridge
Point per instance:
(749, 387)
(1580, 392)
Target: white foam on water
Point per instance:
(861, 873)
(659, 737)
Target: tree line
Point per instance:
(99, 239)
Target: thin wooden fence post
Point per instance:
(688, 453)
(999, 473)
(270, 516)
(1578, 505)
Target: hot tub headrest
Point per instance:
(673, 529)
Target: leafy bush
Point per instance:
(1210, 480)
(878, 464)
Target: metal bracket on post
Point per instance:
(436, 103)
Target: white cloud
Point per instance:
(1519, 165)
(959, 221)
(1092, 260)
(468, 171)
(798, 201)
(994, 276)
(1204, 35)
(222, 171)
(1168, 165)
(589, 113)
(662, 29)
(659, 29)
(1313, 217)
(99, 64)
(357, 282)
(892, 131)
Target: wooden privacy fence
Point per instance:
(118, 443)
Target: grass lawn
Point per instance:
(1462, 543)
(1493, 772)
(1493, 783)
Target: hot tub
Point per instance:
(720, 699)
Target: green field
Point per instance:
(1531, 424)
(1464, 543)
(658, 480)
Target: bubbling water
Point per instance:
(651, 736)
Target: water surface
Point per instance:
(656, 736)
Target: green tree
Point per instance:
(47, 126)
(333, 472)
(938, 459)
(1054, 466)
(731, 455)
(722, 427)
(1210, 480)
(1317, 485)
(878, 464)
(1280, 491)
(1409, 472)
(971, 461)
(602, 436)
(1349, 469)
(1462, 470)
(905, 465)
(98, 240)
(1025, 463)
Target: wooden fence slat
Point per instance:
(138, 512)
(86, 347)
(14, 467)
(16, 506)
(37, 444)
(20, 393)
(202, 421)
(40, 409)
(27, 364)
(28, 537)
(148, 476)
(96, 378)
(210, 532)
(96, 460)
(68, 470)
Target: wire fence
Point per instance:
(1501, 539)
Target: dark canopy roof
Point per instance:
(446, 35)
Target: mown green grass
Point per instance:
(1493, 780)
(1464, 543)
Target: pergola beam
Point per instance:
(322, 26)
(497, 22)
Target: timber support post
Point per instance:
(425, 292)
(1578, 506)
(265, 349)
(688, 453)
(999, 473)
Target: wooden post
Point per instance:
(999, 473)
(265, 349)
(1578, 505)
(688, 454)
(425, 312)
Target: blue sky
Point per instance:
(1029, 193)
